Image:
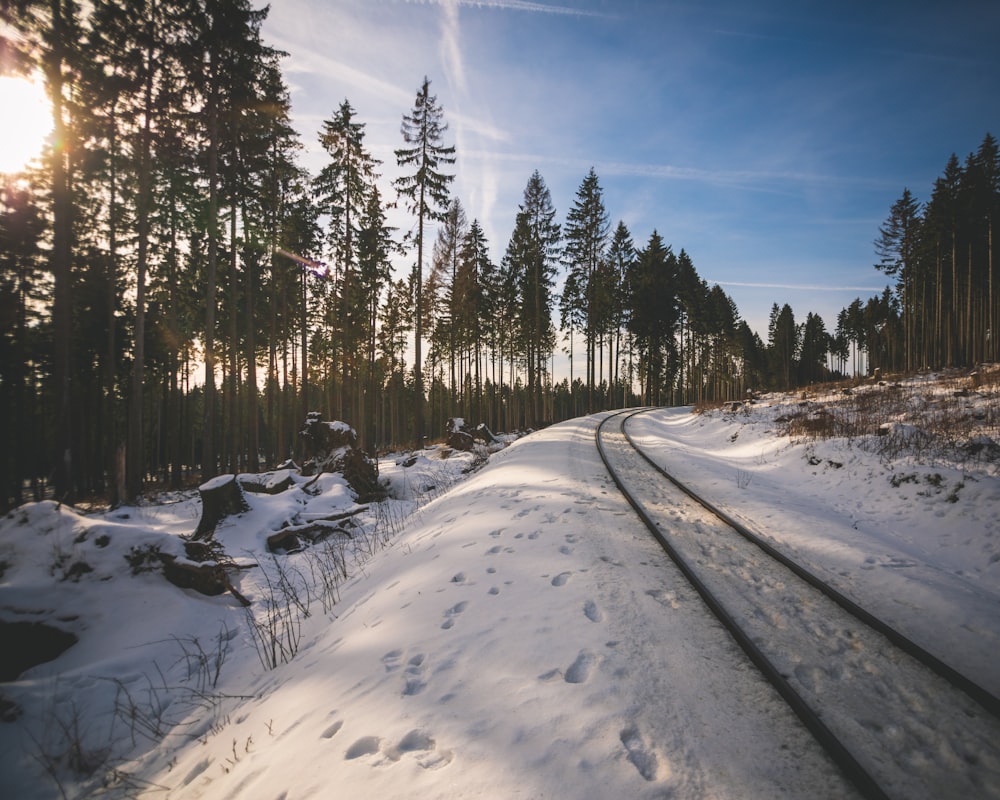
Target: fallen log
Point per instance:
(209, 578)
(267, 483)
(290, 540)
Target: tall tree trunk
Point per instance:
(418, 368)
(253, 428)
(135, 450)
(232, 392)
(209, 467)
(60, 258)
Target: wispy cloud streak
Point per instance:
(519, 5)
(751, 179)
(802, 287)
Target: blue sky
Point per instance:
(766, 138)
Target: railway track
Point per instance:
(898, 721)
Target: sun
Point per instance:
(27, 122)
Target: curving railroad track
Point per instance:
(898, 721)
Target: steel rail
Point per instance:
(852, 769)
(979, 694)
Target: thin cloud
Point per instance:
(761, 180)
(307, 61)
(451, 46)
(519, 5)
(799, 287)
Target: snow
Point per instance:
(513, 632)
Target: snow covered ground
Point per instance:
(519, 635)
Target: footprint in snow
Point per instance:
(415, 676)
(666, 599)
(561, 579)
(333, 730)
(579, 671)
(453, 612)
(365, 746)
(592, 612)
(392, 660)
(416, 741)
(639, 754)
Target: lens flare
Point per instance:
(27, 122)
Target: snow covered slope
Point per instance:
(521, 637)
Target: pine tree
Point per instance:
(783, 344)
(426, 192)
(343, 187)
(442, 300)
(621, 257)
(474, 306)
(651, 287)
(815, 345)
(897, 246)
(532, 256)
(586, 235)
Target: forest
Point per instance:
(177, 293)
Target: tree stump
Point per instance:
(483, 432)
(220, 497)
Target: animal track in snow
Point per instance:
(592, 612)
(561, 579)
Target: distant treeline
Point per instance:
(178, 293)
(944, 308)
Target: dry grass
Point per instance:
(954, 417)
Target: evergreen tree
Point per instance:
(814, 348)
(426, 193)
(621, 257)
(533, 255)
(783, 344)
(897, 246)
(474, 307)
(442, 298)
(586, 235)
(655, 313)
(343, 187)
